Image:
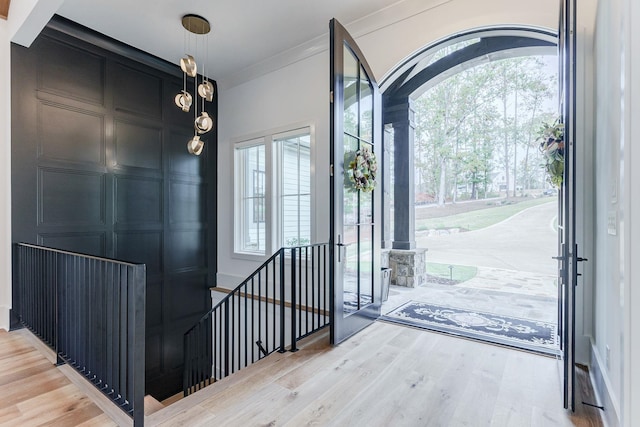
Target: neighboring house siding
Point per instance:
(100, 166)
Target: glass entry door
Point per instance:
(568, 249)
(355, 194)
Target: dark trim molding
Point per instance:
(538, 33)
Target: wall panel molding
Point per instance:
(100, 166)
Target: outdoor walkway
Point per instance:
(526, 241)
(500, 291)
(516, 276)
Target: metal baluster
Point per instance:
(246, 332)
(273, 305)
(293, 300)
(253, 326)
(282, 303)
(298, 283)
(306, 290)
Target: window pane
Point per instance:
(294, 181)
(350, 88)
(366, 107)
(366, 265)
(251, 187)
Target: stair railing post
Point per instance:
(282, 303)
(293, 301)
(226, 337)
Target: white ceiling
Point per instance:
(244, 32)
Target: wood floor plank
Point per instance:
(35, 392)
(101, 420)
(24, 370)
(390, 375)
(342, 393)
(9, 415)
(49, 406)
(387, 375)
(388, 401)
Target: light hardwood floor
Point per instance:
(34, 392)
(388, 375)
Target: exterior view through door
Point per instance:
(466, 186)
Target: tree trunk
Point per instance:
(506, 130)
(515, 139)
(441, 193)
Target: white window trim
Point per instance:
(237, 201)
(271, 217)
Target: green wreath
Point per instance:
(361, 169)
(551, 140)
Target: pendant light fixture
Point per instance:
(202, 123)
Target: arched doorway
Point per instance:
(466, 308)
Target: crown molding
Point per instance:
(382, 18)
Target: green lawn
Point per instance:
(478, 219)
(459, 273)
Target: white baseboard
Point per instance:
(5, 319)
(602, 388)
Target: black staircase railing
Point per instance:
(91, 312)
(283, 301)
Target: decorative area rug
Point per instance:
(511, 331)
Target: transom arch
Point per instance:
(484, 45)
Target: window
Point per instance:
(293, 168)
(250, 189)
(273, 198)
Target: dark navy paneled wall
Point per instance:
(100, 166)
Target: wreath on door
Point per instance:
(361, 169)
(551, 140)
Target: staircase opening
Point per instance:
(283, 301)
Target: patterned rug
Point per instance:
(511, 331)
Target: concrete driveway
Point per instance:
(525, 242)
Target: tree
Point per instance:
(479, 124)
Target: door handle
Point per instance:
(340, 245)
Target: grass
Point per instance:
(477, 219)
(460, 273)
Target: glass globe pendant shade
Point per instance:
(188, 65)
(203, 123)
(195, 145)
(205, 90)
(184, 100)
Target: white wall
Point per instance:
(289, 96)
(631, 328)
(5, 176)
(26, 20)
(607, 339)
(616, 341)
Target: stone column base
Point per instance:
(408, 267)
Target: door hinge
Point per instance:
(331, 170)
(331, 97)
